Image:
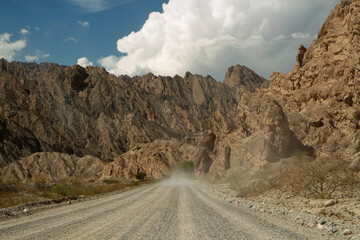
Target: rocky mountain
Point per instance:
(68, 114)
(243, 79)
(312, 112)
(324, 86)
(245, 128)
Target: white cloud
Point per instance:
(38, 55)
(24, 31)
(85, 24)
(299, 35)
(208, 36)
(30, 58)
(70, 39)
(84, 62)
(37, 28)
(8, 49)
(109, 62)
(98, 5)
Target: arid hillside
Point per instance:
(309, 114)
(245, 129)
(88, 113)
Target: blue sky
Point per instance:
(55, 30)
(165, 37)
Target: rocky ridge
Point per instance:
(320, 95)
(312, 113)
(150, 123)
(69, 115)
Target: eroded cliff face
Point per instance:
(77, 112)
(193, 103)
(241, 127)
(157, 159)
(243, 79)
(320, 95)
(52, 167)
(313, 111)
(69, 110)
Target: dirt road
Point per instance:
(174, 209)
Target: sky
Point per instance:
(165, 37)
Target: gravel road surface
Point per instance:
(176, 208)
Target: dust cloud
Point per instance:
(177, 179)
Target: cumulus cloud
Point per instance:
(85, 24)
(24, 31)
(208, 36)
(8, 48)
(70, 39)
(109, 62)
(84, 62)
(38, 56)
(98, 5)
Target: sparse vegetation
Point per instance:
(63, 189)
(319, 178)
(302, 176)
(140, 175)
(17, 193)
(110, 181)
(186, 166)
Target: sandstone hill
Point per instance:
(67, 115)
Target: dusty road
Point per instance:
(174, 209)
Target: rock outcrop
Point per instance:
(243, 79)
(320, 95)
(52, 167)
(193, 103)
(157, 159)
(81, 112)
(120, 126)
(313, 111)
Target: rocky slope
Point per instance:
(77, 112)
(150, 123)
(321, 94)
(243, 79)
(53, 167)
(312, 112)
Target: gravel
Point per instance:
(327, 227)
(177, 208)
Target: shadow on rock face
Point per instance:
(76, 76)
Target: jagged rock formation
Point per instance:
(263, 139)
(157, 159)
(52, 167)
(314, 110)
(243, 79)
(151, 123)
(320, 95)
(189, 100)
(88, 112)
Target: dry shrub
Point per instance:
(140, 176)
(301, 175)
(251, 185)
(321, 178)
(17, 193)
